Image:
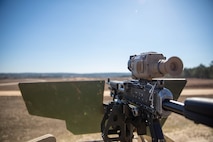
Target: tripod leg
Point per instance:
(156, 131)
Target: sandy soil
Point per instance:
(185, 92)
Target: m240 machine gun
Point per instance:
(140, 105)
(146, 102)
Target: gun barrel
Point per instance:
(197, 109)
(174, 106)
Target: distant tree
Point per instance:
(187, 72)
(210, 70)
(211, 64)
(200, 71)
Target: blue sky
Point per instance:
(90, 36)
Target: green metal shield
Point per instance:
(175, 85)
(79, 103)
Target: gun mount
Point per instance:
(140, 103)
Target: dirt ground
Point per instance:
(16, 125)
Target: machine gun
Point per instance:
(143, 102)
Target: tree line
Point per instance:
(200, 71)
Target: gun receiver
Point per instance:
(136, 105)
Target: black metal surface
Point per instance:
(173, 106)
(200, 105)
(156, 130)
(114, 126)
(200, 111)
